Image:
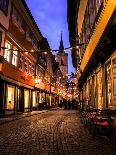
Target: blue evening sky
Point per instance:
(51, 18)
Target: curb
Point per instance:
(21, 116)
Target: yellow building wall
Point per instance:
(101, 25)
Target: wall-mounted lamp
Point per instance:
(37, 80)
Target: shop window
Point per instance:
(26, 98)
(10, 98)
(99, 85)
(109, 83)
(34, 99)
(4, 6)
(15, 57)
(7, 52)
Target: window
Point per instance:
(33, 42)
(33, 69)
(30, 68)
(10, 98)
(21, 61)
(15, 57)
(26, 66)
(4, 6)
(14, 15)
(7, 52)
(28, 36)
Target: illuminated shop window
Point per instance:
(109, 84)
(26, 98)
(99, 85)
(15, 57)
(7, 51)
(34, 99)
(10, 98)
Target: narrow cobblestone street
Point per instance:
(56, 132)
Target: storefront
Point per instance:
(48, 99)
(99, 89)
(34, 100)
(10, 96)
(110, 70)
(26, 100)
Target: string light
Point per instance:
(39, 50)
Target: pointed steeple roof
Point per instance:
(61, 47)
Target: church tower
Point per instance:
(62, 58)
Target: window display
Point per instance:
(10, 98)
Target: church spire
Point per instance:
(61, 47)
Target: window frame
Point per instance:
(7, 52)
(15, 57)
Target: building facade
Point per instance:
(96, 28)
(21, 59)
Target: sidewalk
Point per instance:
(10, 118)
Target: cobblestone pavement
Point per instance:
(57, 132)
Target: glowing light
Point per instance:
(77, 47)
(45, 53)
(32, 50)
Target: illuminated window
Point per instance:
(10, 98)
(15, 57)
(21, 64)
(7, 52)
